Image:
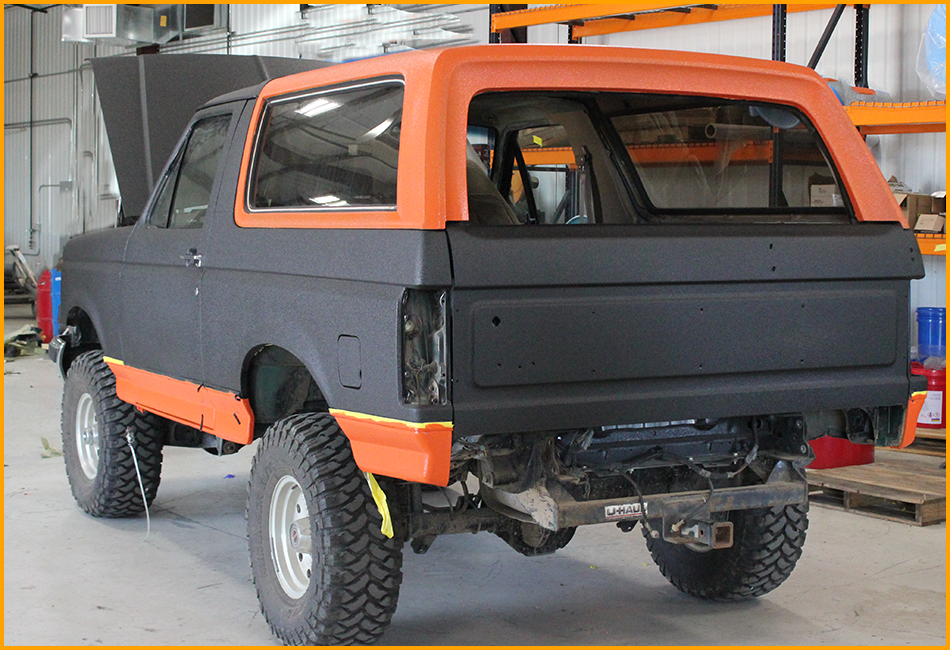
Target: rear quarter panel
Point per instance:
(92, 282)
(304, 288)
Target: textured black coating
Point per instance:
(92, 281)
(356, 570)
(301, 289)
(160, 320)
(115, 490)
(767, 543)
(584, 326)
(597, 255)
(610, 324)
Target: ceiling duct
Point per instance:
(137, 25)
(131, 25)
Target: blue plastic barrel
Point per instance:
(54, 294)
(931, 332)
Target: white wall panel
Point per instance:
(53, 191)
(249, 18)
(285, 48)
(894, 36)
(16, 188)
(16, 101)
(50, 54)
(54, 97)
(16, 44)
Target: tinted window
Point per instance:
(606, 157)
(329, 150)
(728, 155)
(159, 215)
(186, 188)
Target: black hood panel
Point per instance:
(147, 101)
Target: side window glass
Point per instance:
(329, 150)
(199, 164)
(552, 170)
(159, 215)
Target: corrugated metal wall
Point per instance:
(74, 187)
(51, 127)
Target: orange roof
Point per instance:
(440, 84)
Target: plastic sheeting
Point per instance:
(932, 56)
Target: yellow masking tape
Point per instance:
(380, 498)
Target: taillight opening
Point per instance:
(423, 323)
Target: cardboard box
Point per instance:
(930, 223)
(913, 205)
(825, 196)
(939, 205)
(899, 187)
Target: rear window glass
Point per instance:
(329, 150)
(610, 157)
(724, 156)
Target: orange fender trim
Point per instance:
(413, 451)
(910, 420)
(217, 412)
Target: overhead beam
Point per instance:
(571, 13)
(923, 117)
(697, 15)
(36, 10)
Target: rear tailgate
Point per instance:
(577, 326)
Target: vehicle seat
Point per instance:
(486, 205)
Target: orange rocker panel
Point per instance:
(411, 451)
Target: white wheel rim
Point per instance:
(289, 533)
(87, 436)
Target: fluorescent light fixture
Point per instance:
(378, 130)
(329, 201)
(316, 107)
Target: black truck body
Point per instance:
(661, 364)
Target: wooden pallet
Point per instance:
(929, 442)
(913, 493)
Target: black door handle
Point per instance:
(192, 257)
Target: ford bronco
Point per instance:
(514, 289)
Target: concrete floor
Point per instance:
(70, 579)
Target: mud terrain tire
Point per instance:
(344, 591)
(767, 542)
(99, 462)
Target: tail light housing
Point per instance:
(423, 321)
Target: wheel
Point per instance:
(767, 543)
(99, 462)
(325, 574)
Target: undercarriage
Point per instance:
(678, 479)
